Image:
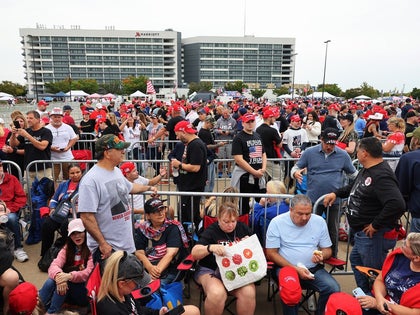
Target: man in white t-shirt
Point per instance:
(301, 240)
(64, 139)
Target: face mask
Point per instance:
(4, 218)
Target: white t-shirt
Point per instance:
(294, 138)
(106, 194)
(138, 199)
(297, 243)
(61, 138)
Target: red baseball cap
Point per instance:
(247, 117)
(289, 286)
(185, 126)
(295, 118)
(176, 108)
(127, 167)
(344, 302)
(335, 107)
(268, 113)
(23, 299)
(42, 102)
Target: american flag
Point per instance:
(255, 151)
(150, 88)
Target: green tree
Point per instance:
(331, 88)
(257, 93)
(368, 90)
(281, 90)
(235, 86)
(14, 89)
(132, 84)
(202, 86)
(415, 93)
(90, 86)
(352, 93)
(113, 87)
(63, 85)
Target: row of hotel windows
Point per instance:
(64, 39)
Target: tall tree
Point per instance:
(132, 84)
(14, 89)
(235, 86)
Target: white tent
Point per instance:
(287, 96)
(138, 94)
(76, 93)
(319, 95)
(2, 94)
(6, 98)
(362, 97)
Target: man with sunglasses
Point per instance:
(250, 161)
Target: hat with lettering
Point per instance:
(42, 103)
(108, 142)
(295, 118)
(415, 133)
(334, 107)
(341, 303)
(376, 116)
(131, 268)
(289, 286)
(248, 117)
(99, 105)
(268, 113)
(127, 167)
(75, 225)
(185, 126)
(56, 111)
(153, 205)
(23, 299)
(330, 135)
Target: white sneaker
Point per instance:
(20, 255)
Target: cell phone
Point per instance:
(16, 124)
(386, 308)
(176, 310)
(358, 292)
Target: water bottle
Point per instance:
(175, 172)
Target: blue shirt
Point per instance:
(325, 172)
(297, 243)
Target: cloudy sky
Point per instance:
(373, 41)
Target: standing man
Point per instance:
(251, 161)
(192, 170)
(411, 123)
(375, 205)
(42, 108)
(272, 144)
(64, 139)
(225, 130)
(104, 204)
(300, 239)
(37, 145)
(408, 175)
(206, 135)
(331, 120)
(325, 164)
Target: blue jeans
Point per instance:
(210, 177)
(369, 252)
(324, 283)
(76, 294)
(415, 225)
(13, 225)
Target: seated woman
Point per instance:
(161, 243)
(9, 278)
(69, 272)
(395, 141)
(212, 241)
(51, 224)
(123, 273)
(268, 208)
(397, 286)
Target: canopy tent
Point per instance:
(109, 95)
(76, 93)
(319, 95)
(95, 95)
(60, 94)
(362, 97)
(138, 94)
(287, 96)
(6, 98)
(2, 94)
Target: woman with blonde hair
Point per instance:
(394, 144)
(124, 273)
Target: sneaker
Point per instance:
(311, 303)
(220, 174)
(20, 255)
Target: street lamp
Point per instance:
(325, 69)
(293, 76)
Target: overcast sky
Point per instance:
(373, 41)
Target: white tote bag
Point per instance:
(244, 263)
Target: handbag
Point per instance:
(169, 295)
(46, 260)
(243, 263)
(62, 210)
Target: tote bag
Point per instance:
(244, 263)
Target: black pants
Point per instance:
(190, 208)
(48, 233)
(245, 187)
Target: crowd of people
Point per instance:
(268, 148)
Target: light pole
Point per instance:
(293, 76)
(325, 69)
